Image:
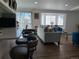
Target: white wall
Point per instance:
(72, 21)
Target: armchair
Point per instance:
(75, 38)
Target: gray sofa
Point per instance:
(48, 37)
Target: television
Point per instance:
(7, 22)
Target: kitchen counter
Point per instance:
(8, 33)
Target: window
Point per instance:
(50, 19)
(60, 20)
(53, 19)
(24, 19)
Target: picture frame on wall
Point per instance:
(36, 15)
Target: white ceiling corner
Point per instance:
(75, 8)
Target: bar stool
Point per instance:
(30, 42)
(32, 47)
(19, 52)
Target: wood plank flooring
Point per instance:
(50, 51)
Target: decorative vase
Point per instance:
(10, 3)
(14, 5)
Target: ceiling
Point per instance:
(49, 4)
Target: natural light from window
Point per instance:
(53, 19)
(24, 19)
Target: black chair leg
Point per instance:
(31, 57)
(58, 44)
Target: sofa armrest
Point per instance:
(40, 33)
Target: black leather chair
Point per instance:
(28, 31)
(21, 41)
(19, 52)
(32, 47)
(30, 42)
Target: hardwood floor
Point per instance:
(50, 51)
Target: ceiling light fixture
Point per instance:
(66, 5)
(35, 2)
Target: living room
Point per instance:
(71, 15)
(64, 13)
(70, 25)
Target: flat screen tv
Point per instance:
(7, 22)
